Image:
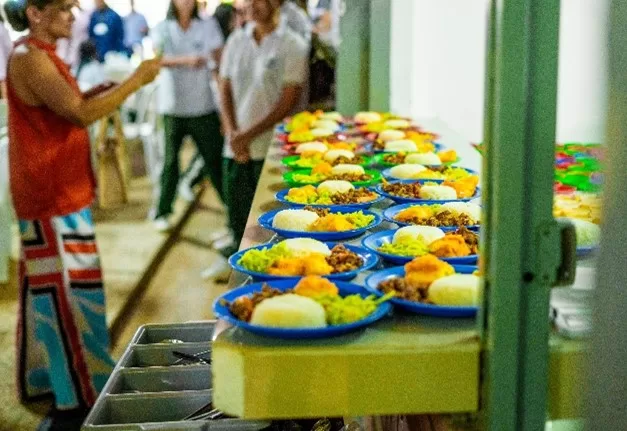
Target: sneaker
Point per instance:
(225, 242)
(161, 224)
(186, 192)
(219, 234)
(219, 270)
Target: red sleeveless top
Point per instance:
(49, 157)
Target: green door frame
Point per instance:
(522, 245)
(607, 397)
(363, 67)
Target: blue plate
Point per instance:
(281, 129)
(346, 289)
(266, 222)
(438, 148)
(376, 240)
(373, 281)
(391, 213)
(586, 251)
(387, 174)
(402, 200)
(282, 197)
(370, 261)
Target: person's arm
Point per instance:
(215, 43)
(227, 111)
(159, 38)
(53, 91)
(324, 23)
(286, 103)
(216, 56)
(227, 104)
(98, 90)
(194, 61)
(241, 139)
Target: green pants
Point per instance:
(240, 183)
(205, 131)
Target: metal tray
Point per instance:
(152, 389)
(163, 334)
(161, 355)
(162, 379)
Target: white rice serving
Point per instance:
(333, 116)
(333, 155)
(289, 311)
(438, 193)
(456, 290)
(326, 124)
(311, 147)
(404, 145)
(407, 171)
(294, 220)
(428, 234)
(391, 135)
(348, 170)
(471, 210)
(322, 132)
(429, 159)
(300, 247)
(367, 117)
(334, 187)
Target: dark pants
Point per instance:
(205, 131)
(240, 183)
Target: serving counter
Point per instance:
(405, 364)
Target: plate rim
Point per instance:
(396, 257)
(236, 267)
(380, 313)
(410, 304)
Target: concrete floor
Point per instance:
(175, 291)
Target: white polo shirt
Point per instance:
(258, 74)
(185, 91)
(6, 46)
(297, 20)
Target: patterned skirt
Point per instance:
(62, 335)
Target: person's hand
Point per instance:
(240, 144)
(198, 62)
(148, 70)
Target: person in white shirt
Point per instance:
(135, 29)
(326, 15)
(6, 46)
(190, 48)
(262, 75)
(296, 19)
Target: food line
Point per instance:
(182, 375)
(422, 364)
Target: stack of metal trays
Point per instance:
(163, 382)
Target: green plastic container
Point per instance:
(288, 177)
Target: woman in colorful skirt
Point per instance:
(62, 341)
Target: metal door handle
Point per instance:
(568, 245)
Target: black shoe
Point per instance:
(59, 420)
